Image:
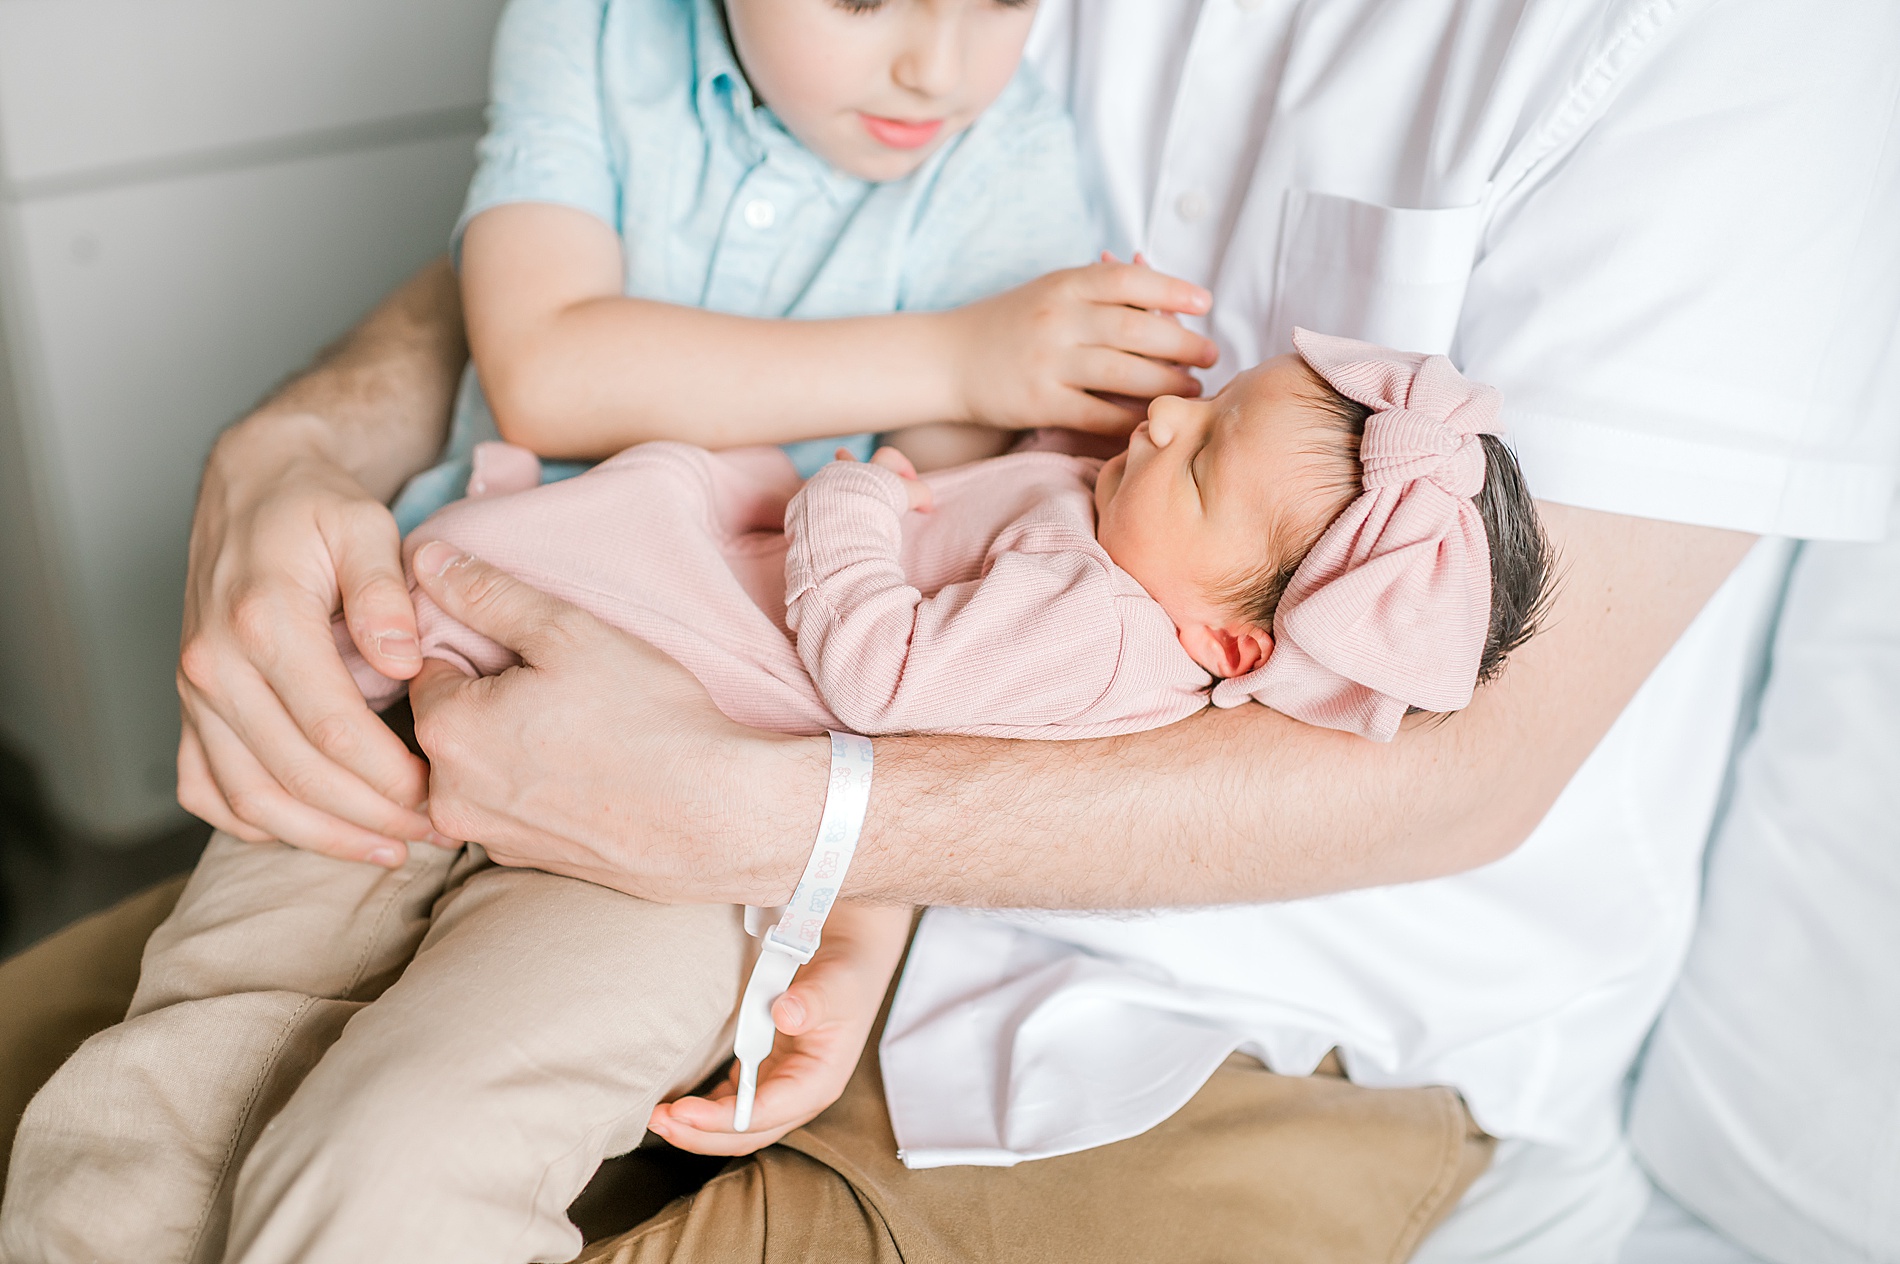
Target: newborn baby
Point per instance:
(1337, 535)
(1257, 545)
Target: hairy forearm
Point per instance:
(607, 373)
(376, 403)
(1248, 806)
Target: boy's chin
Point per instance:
(865, 159)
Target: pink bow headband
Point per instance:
(1391, 608)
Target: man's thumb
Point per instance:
(491, 601)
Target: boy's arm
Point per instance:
(572, 368)
(1033, 642)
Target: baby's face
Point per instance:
(874, 87)
(1208, 491)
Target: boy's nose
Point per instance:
(929, 63)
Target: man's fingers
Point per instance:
(254, 798)
(309, 740)
(198, 791)
(367, 554)
(788, 1098)
(491, 601)
(800, 1008)
(1132, 285)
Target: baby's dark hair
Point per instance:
(1522, 563)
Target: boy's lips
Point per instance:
(900, 134)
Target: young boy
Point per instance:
(661, 245)
(738, 225)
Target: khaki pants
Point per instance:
(1257, 1167)
(321, 1055)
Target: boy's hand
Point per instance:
(823, 1020)
(1085, 348)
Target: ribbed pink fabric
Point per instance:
(1391, 608)
(997, 614)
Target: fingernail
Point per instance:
(391, 857)
(398, 645)
(437, 558)
(794, 1010)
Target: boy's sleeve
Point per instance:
(1006, 207)
(1034, 642)
(546, 140)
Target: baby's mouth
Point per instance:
(901, 133)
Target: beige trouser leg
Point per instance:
(128, 1151)
(459, 1116)
(1257, 1168)
(525, 983)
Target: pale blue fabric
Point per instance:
(637, 112)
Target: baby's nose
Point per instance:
(1160, 429)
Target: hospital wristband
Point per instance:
(791, 941)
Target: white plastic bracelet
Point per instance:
(791, 941)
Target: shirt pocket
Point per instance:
(1386, 274)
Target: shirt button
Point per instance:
(1190, 206)
(760, 213)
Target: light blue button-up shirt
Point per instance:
(637, 112)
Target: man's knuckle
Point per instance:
(303, 782)
(438, 735)
(196, 796)
(246, 806)
(198, 661)
(254, 619)
(454, 818)
(335, 735)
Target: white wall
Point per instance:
(195, 196)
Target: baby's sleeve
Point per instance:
(546, 139)
(1033, 642)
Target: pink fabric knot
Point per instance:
(1391, 608)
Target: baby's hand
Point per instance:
(1085, 348)
(899, 464)
(823, 1020)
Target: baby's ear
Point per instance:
(1231, 650)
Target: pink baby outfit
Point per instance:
(997, 613)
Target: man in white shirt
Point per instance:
(1668, 231)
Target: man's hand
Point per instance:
(277, 741)
(822, 1020)
(598, 743)
(289, 529)
(1085, 348)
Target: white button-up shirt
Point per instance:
(1669, 231)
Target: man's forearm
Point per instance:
(377, 401)
(1247, 806)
